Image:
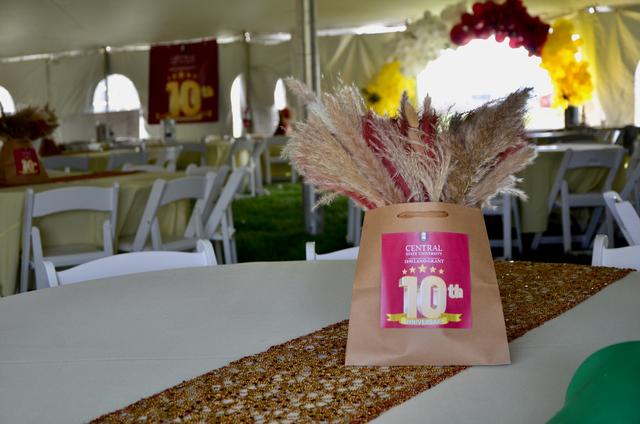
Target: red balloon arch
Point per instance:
(509, 19)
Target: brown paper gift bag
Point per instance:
(19, 163)
(479, 339)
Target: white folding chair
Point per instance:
(165, 192)
(66, 162)
(196, 147)
(131, 263)
(169, 157)
(221, 173)
(625, 216)
(560, 196)
(60, 200)
(219, 226)
(506, 206)
(119, 159)
(278, 141)
(621, 257)
(631, 189)
(193, 169)
(148, 168)
(253, 168)
(344, 254)
(354, 223)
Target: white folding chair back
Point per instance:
(561, 197)
(625, 216)
(354, 223)
(221, 173)
(118, 159)
(621, 257)
(253, 168)
(131, 263)
(506, 206)
(339, 255)
(50, 202)
(277, 141)
(198, 147)
(219, 226)
(169, 157)
(632, 185)
(148, 168)
(162, 193)
(193, 169)
(66, 162)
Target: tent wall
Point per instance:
(26, 81)
(611, 43)
(354, 58)
(68, 83)
(72, 81)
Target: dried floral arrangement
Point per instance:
(419, 156)
(30, 122)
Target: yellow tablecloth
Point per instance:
(537, 181)
(81, 227)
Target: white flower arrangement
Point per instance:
(425, 38)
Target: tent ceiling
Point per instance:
(46, 26)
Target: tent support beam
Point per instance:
(313, 218)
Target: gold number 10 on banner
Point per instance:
(185, 98)
(430, 298)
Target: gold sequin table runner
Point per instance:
(305, 380)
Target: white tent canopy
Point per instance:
(46, 26)
(67, 82)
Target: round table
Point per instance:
(72, 353)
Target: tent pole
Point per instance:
(106, 71)
(313, 218)
(246, 36)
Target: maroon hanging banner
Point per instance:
(183, 82)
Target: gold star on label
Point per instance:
(432, 269)
(422, 268)
(441, 271)
(412, 270)
(404, 271)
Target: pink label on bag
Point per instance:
(425, 280)
(26, 161)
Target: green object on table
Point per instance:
(605, 388)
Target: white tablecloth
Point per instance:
(72, 353)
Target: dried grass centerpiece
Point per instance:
(19, 162)
(420, 156)
(425, 290)
(30, 123)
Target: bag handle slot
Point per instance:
(423, 214)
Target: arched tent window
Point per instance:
(279, 103)
(280, 95)
(6, 101)
(115, 93)
(637, 91)
(484, 70)
(238, 104)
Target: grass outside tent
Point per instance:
(271, 227)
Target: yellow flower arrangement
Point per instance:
(384, 92)
(570, 76)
